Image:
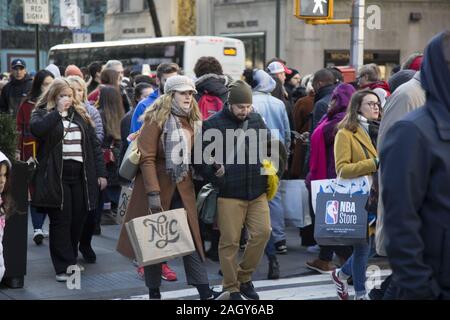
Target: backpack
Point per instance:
(209, 105)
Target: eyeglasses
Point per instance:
(372, 104)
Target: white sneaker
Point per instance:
(363, 297)
(45, 233)
(62, 277)
(77, 266)
(38, 236)
(313, 249)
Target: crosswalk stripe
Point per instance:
(318, 290)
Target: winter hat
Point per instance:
(240, 92)
(290, 76)
(54, 69)
(179, 83)
(400, 78)
(73, 70)
(5, 158)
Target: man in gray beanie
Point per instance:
(242, 199)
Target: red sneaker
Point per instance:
(140, 271)
(167, 273)
(341, 286)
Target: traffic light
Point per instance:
(313, 9)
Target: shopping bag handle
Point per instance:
(336, 183)
(150, 210)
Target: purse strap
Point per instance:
(364, 149)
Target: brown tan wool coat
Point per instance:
(152, 177)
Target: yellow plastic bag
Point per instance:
(272, 179)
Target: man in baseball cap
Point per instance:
(15, 91)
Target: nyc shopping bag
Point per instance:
(294, 199)
(160, 237)
(341, 219)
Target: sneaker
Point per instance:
(281, 247)
(62, 277)
(313, 249)
(154, 294)
(248, 291)
(80, 267)
(167, 273)
(235, 296)
(135, 263)
(341, 286)
(45, 233)
(38, 236)
(362, 297)
(321, 266)
(215, 295)
(274, 268)
(141, 273)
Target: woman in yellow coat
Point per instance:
(356, 156)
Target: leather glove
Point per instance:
(154, 201)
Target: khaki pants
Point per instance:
(232, 215)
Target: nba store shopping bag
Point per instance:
(341, 219)
(360, 185)
(160, 237)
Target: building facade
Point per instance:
(17, 39)
(406, 26)
(131, 19)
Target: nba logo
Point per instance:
(331, 215)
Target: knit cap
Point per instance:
(240, 93)
(179, 83)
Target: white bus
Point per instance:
(138, 54)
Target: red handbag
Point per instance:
(108, 156)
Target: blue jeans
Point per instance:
(277, 218)
(270, 247)
(37, 218)
(356, 267)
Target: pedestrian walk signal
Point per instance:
(313, 9)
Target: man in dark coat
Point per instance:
(15, 91)
(415, 158)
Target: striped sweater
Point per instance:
(72, 149)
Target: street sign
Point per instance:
(70, 14)
(81, 36)
(36, 12)
(313, 9)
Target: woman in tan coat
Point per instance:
(165, 182)
(356, 156)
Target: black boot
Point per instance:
(154, 294)
(274, 268)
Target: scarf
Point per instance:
(364, 123)
(174, 141)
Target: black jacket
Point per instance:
(415, 162)
(241, 181)
(48, 128)
(13, 94)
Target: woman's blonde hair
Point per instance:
(160, 110)
(49, 99)
(81, 83)
(350, 121)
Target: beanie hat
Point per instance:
(179, 83)
(73, 70)
(54, 69)
(240, 92)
